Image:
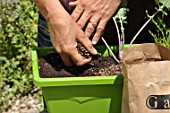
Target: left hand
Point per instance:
(94, 13)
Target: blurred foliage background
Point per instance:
(18, 33)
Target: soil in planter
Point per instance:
(52, 66)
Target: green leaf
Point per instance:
(121, 14)
(166, 3)
(3, 58)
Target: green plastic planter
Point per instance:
(98, 94)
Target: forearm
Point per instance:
(50, 8)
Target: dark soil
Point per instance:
(52, 66)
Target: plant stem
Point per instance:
(146, 23)
(118, 33)
(113, 55)
(122, 35)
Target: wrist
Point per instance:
(55, 18)
(55, 12)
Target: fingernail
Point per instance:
(94, 42)
(95, 51)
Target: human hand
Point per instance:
(94, 13)
(64, 34)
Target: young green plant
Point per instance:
(161, 5)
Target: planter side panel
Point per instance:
(84, 99)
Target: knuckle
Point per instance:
(84, 2)
(80, 8)
(89, 45)
(89, 29)
(67, 49)
(107, 7)
(107, 14)
(100, 30)
(80, 25)
(93, 9)
(74, 16)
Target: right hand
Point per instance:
(95, 14)
(64, 34)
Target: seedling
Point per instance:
(121, 16)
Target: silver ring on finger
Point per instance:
(94, 23)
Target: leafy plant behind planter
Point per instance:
(163, 6)
(162, 34)
(17, 36)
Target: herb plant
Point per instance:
(163, 6)
(162, 34)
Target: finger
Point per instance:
(78, 59)
(77, 12)
(67, 61)
(72, 4)
(99, 31)
(85, 41)
(83, 19)
(91, 26)
(89, 30)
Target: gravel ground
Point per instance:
(30, 103)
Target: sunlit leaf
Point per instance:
(166, 3)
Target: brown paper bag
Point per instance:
(146, 69)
